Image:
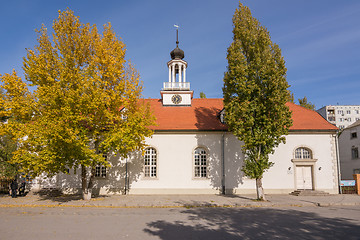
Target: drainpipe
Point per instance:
(223, 164)
(338, 162)
(126, 174)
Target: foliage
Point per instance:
(7, 147)
(304, 103)
(86, 100)
(255, 93)
(202, 95)
(291, 97)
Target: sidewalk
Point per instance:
(169, 201)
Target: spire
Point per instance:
(177, 53)
(177, 36)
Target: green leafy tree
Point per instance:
(304, 103)
(7, 147)
(291, 97)
(202, 95)
(86, 101)
(255, 94)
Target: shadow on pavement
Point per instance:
(253, 223)
(237, 196)
(56, 195)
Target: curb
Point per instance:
(336, 204)
(187, 206)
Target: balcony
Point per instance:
(176, 86)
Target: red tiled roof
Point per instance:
(203, 115)
(306, 119)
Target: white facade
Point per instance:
(175, 167)
(349, 146)
(340, 115)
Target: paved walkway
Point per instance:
(168, 201)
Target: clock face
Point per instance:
(176, 99)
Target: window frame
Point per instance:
(353, 135)
(199, 174)
(303, 155)
(354, 153)
(150, 170)
(101, 171)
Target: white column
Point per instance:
(170, 73)
(180, 70)
(184, 74)
(173, 72)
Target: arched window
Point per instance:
(303, 153)
(200, 163)
(150, 163)
(100, 170)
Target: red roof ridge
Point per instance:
(203, 115)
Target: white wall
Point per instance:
(175, 166)
(175, 169)
(175, 163)
(324, 170)
(345, 145)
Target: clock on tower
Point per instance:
(176, 99)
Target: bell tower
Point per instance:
(176, 92)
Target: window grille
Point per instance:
(200, 163)
(303, 153)
(150, 163)
(100, 170)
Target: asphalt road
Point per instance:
(180, 223)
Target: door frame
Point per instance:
(305, 162)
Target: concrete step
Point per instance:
(309, 193)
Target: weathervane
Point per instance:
(177, 34)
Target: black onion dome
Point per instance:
(177, 53)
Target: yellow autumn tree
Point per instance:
(85, 102)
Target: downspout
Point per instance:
(338, 162)
(223, 164)
(126, 174)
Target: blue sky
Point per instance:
(320, 40)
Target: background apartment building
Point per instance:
(349, 145)
(341, 115)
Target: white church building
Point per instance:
(192, 151)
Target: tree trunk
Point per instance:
(260, 190)
(86, 187)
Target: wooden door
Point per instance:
(304, 177)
